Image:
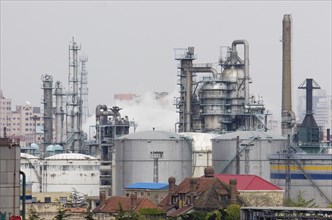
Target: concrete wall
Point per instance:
(259, 198)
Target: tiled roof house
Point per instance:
(128, 204)
(205, 193)
(254, 190)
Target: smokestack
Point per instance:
(133, 201)
(287, 115)
(233, 190)
(171, 188)
(102, 197)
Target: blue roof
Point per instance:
(148, 186)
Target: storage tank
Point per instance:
(247, 154)
(9, 177)
(54, 149)
(71, 170)
(150, 156)
(30, 165)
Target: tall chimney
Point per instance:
(102, 197)
(171, 188)
(133, 201)
(287, 115)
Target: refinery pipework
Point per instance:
(219, 102)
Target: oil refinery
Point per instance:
(220, 124)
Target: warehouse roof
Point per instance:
(148, 186)
(28, 156)
(71, 156)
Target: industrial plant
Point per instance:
(220, 125)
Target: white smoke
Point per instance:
(146, 111)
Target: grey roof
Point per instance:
(71, 156)
(249, 135)
(152, 135)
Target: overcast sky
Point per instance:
(130, 44)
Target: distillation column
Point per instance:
(47, 101)
(84, 89)
(59, 113)
(73, 102)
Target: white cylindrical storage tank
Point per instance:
(63, 172)
(254, 147)
(30, 165)
(202, 151)
(150, 156)
(9, 178)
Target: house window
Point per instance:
(175, 199)
(223, 198)
(47, 199)
(34, 199)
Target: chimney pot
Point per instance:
(209, 172)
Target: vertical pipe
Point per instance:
(328, 136)
(23, 193)
(237, 155)
(246, 65)
(188, 101)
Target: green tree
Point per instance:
(195, 215)
(61, 213)
(33, 214)
(300, 201)
(233, 212)
(125, 215)
(214, 215)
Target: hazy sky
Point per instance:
(130, 44)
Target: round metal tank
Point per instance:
(30, 165)
(71, 170)
(150, 156)
(213, 99)
(9, 178)
(254, 148)
(232, 74)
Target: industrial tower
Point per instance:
(74, 140)
(218, 102)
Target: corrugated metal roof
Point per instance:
(250, 135)
(248, 182)
(148, 186)
(28, 156)
(70, 156)
(152, 135)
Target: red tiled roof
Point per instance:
(207, 191)
(248, 182)
(112, 204)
